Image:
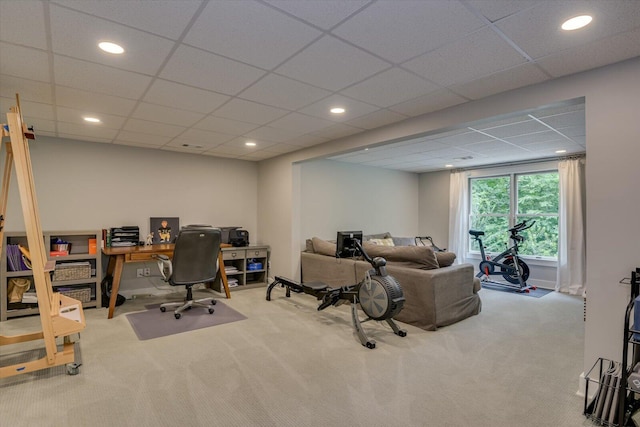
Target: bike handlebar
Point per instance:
(521, 226)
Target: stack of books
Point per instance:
(124, 236)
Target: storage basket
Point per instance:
(72, 271)
(81, 294)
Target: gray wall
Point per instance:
(87, 185)
(612, 130)
(434, 207)
(341, 196)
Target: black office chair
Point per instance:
(195, 261)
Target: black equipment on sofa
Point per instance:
(378, 294)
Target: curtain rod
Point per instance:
(522, 162)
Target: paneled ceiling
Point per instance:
(207, 76)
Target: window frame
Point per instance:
(512, 173)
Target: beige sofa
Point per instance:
(434, 296)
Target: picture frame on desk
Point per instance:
(164, 229)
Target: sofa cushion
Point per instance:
(323, 247)
(382, 242)
(421, 257)
(445, 259)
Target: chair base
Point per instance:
(186, 305)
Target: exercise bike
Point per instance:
(511, 267)
(379, 295)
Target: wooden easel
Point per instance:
(60, 316)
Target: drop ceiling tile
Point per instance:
(516, 129)
(390, 87)
(205, 70)
(28, 90)
(184, 97)
(537, 30)
(463, 139)
(228, 126)
(531, 138)
(22, 22)
(477, 55)
(81, 130)
(98, 78)
(160, 113)
(324, 14)
(266, 133)
(93, 102)
(353, 108)
(137, 143)
(572, 131)
(72, 115)
(30, 110)
(247, 111)
(265, 39)
(548, 145)
(494, 10)
(176, 146)
(125, 137)
(258, 155)
(434, 101)
(602, 52)
(307, 141)
(520, 76)
(283, 92)
(300, 123)
(399, 30)
(491, 147)
(165, 18)
(144, 53)
(376, 119)
(203, 137)
(332, 64)
(574, 118)
(153, 128)
(338, 130)
(24, 62)
(282, 148)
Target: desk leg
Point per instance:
(223, 275)
(115, 286)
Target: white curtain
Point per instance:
(458, 219)
(571, 225)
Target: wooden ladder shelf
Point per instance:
(60, 316)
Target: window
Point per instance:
(499, 202)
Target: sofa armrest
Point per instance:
(330, 270)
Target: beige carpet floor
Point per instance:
(515, 364)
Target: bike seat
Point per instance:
(476, 233)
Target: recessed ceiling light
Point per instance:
(576, 22)
(250, 144)
(92, 119)
(448, 166)
(561, 151)
(111, 47)
(337, 110)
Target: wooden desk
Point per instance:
(118, 256)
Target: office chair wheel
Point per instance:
(214, 302)
(163, 309)
(371, 344)
(178, 315)
(211, 311)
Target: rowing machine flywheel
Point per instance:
(380, 297)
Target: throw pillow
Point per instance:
(445, 259)
(404, 241)
(323, 247)
(382, 242)
(384, 235)
(308, 246)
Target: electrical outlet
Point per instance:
(139, 272)
(147, 272)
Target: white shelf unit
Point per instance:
(79, 252)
